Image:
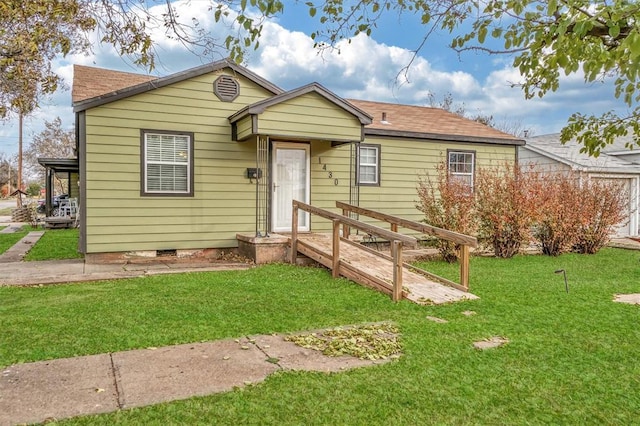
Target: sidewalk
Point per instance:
(13, 271)
(63, 388)
(76, 270)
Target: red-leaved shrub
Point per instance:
(603, 204)
(449, 204)
(513, 204)
(558, 212)
(577, 212)
(505, 202)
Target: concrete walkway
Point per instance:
(20, 249)
(625, 243)
(11, 228)
(93, 384)
(76, 270)
(15, 272)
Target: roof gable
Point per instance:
(551, 147)
(428, 123)
(261, 106)
(128, 84)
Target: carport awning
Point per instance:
(60, 164)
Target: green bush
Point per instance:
(33, 190)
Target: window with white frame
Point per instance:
(167, 163)
(461, 166)
(369, 165)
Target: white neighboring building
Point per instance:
(615, 162)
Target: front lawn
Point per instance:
(8, 240)
(572, 357)
(56, 244)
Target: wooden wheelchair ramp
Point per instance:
(364, 267)
(381, 271)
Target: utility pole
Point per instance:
(19, 183)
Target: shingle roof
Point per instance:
(89, 82)
(569, 153)
(94, 86)
(91, 92)
(622, 145)
(429, 122)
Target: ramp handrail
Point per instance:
(396, 240)
(464, 241)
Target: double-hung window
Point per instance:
(167, 163)
(461, 166)
(369, 165)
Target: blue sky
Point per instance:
(366, 68)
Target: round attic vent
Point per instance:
(226, 88)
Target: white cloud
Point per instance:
(361, 69)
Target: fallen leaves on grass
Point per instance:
(370, 342)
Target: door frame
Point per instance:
(306, 146)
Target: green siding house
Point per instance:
(189, 161)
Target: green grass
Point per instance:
(56, 244)
(8, 240)
(572, 358)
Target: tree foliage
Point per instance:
(52, 142)
(8, 175)
(547, 38)
(598, 39)
(33, 189)
(34, 32)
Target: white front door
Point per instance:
(291, 179)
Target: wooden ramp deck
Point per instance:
(376, 270)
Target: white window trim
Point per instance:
(471, 174)
(145, 163)
(376, 182)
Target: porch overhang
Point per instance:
(70, 165)
(52, 166)
(308, 113)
